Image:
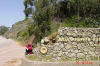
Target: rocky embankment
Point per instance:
(18, 29)
(75, 44)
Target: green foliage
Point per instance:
(68, 13)
(22, 35)
(73, 22)
(36, 31)
(36, 57)
(3, 29)
(28, 11)
(28, 7)
(65, 8)
(42, 18)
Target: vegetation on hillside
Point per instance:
(19, 30)
(49, 15)
(3, 29)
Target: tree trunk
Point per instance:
(78, 13)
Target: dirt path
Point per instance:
(10, 52)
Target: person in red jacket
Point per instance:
(28, 48)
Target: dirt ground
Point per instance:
(10, 52)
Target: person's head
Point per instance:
(29, 44)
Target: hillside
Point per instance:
(18, 27)
(3, 29)
(26, 29)
(50, 15)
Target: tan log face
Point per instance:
(43, 50)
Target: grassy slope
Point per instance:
(18, 27)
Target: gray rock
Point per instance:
(56, 48)
(68, 46)
(61, 46)
(60, 53)
(72, 55)
(76, 51)
(86, 49)
(64, 50)
(66, 53)
(80, 55)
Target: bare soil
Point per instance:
(10, 52)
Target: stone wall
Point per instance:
(76, 44)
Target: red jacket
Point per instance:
(29, 46)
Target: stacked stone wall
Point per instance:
(76, 44)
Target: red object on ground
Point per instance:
(29, 48)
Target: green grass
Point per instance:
(36, 57)
(54, 27)
(21, 43)
(86, 23)
(48, 58)
(94, 58)
(73, 22)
